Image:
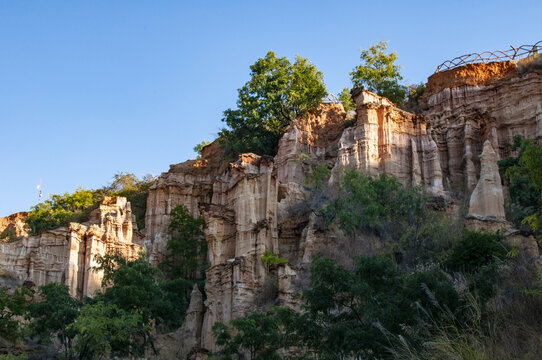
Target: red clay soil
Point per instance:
(471, 74)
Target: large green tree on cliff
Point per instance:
(379, 73)
(277, 92)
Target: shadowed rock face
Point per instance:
(67, 254)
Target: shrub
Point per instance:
(187, 247)
(346, 99)
(200, 146)
(271, 259)
(394, 212)
(479, 254)
(523, 175)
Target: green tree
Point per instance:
(271, 259)
(104, 328)
(379, 73)
(60, 210)
(14, 304)
(346, 99)
(135, 190)
(317, 177)
(277, 93)
(524, 176)
(53, 315)
(356, 313)
(258, 334)
(479, 255)
(187, 248)
(136, 287)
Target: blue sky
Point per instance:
(92, 88)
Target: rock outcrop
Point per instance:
(14, 226)
(471, 104)
(258, 203)
(66, 255)
(179, 344)
(487, 200)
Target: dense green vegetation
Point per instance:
(523, 175)
(346, 99)
(60, 210)
(401, 216)
(138, 300)
(439, 293)
(277, 92)
(379, 73)
(187, 248)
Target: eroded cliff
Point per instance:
(258, 203)
(67, 255)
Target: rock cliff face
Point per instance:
(14, 226)
(258, 203)
(471, 104)
(66, 255)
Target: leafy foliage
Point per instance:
(524, 176)
(135, 190)
(346, 99)
(53, 315)
(478, 254)
(138, 289)
(394, 212)
(187, 248)
(317, 177)
(104, 328)
(271, 259)
(347, 313)
(8, 235)
(14, 304)
(277, 93)
(60, 210)
(379, 73)
(257, 334)
(200, 146)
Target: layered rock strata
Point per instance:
(478, 102)
(67, 255)
(259, 203)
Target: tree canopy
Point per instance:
(277, 92)
(60, 210)
(379, 73)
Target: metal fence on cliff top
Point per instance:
(490, 56)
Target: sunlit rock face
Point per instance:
(386, 139)
(67, 255)
(252, 203)
(468, 105)
(487, 200)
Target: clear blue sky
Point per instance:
(91, 88)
